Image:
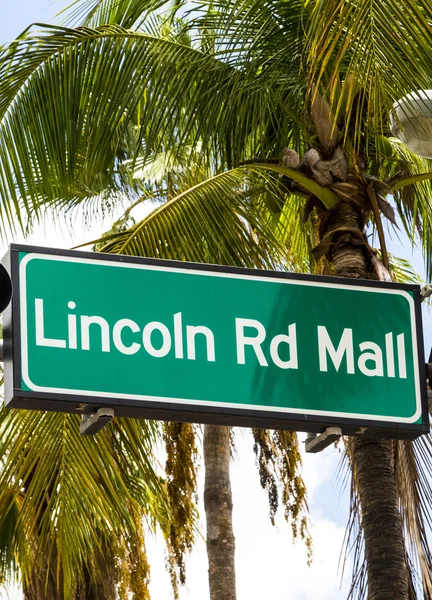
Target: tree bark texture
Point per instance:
(381, 520)
(387, 571)
(348, 255)
(44, 584)
(102, 590)
(41, 590)
(218, 508)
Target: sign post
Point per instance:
(203, 343)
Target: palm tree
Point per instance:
(216, 234)
(72, 508)
(51, 574)
(288, 104)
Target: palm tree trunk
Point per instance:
(372, 458)
(96, 591)
(381, 520)
(218, 508)
(44, 584)
(38, 591)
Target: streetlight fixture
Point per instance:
(411, 122)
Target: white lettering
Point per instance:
(72, 328)
(390, 355)
(41, 340)
(166, 339)
(85, 332)
(291, 340)
(400, 341)
(191, 332)
(178, 335)
(117, 331)
(374, 356)
(255, 342)
(345, 347)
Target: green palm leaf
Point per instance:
(411, 186)
(127, 13)
(81, 108)
(72, 489)
(226, 228)
(106, 72)
(358, 46)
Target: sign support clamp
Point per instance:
(93, 422)
(317, 443)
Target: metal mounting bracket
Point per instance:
(95, 421)
(426, 291)
(323, 440)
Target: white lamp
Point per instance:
(411, 122)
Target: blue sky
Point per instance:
(261, 549)
(16, 16)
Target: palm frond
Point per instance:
(327, 196)
(402, 270)
(73, 491)
(127, 13)
(297, 235)
(413, 474)
(227, 228)
(9, 532)
(80, 108)
(91, 84)
(413, 201)
(367, 55)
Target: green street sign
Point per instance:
(201, 343)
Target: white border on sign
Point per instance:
(97, 394)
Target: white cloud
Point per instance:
(269, 565)
(318, 468)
